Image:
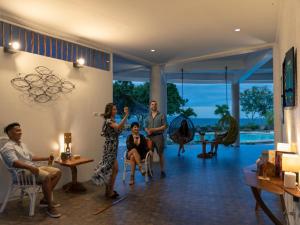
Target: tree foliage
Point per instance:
(123, 95)
(142, 93)
(256, 102)
(222, 110)
(188, 112)
(270, 119)
(174, 99)
(136, 97)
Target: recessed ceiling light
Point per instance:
(237, 30)
(152, 50)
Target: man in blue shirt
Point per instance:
(15, 154)
(155, 125)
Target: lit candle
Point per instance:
(289, 180)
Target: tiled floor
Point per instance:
(196, 191)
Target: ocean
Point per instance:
(202, 122)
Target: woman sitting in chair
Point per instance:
(137, 149)
(182, 136)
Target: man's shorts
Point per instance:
(45, 171)
(158, 142)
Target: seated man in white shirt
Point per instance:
(15, 154)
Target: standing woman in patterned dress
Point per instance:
(107, 169)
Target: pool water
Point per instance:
(245, 137)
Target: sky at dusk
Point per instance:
(203, 97)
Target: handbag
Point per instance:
(155, 156)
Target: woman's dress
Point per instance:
(141, 148)
(103, 171)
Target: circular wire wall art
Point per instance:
(43, 85)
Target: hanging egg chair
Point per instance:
(232, 131)
(181, 129)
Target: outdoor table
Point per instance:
(204, 154)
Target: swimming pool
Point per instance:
(245, 137)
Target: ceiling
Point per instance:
(253, 67)
(178, 30)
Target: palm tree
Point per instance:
(222, 110)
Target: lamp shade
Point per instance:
(283, 147)
(290, 162)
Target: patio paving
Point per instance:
(195, 191)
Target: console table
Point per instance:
(72, 163)
(274, 185)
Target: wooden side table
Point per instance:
(204, 154)
(274, 185)
(74, 186)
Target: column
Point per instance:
(158, 87)
(235, 108)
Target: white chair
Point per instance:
(24, 183)
(146, 163)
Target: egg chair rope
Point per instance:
(182, 83)
(226, 79)
(181, 129)
(228, 123)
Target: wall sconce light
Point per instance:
(79, 63)
(13, 47)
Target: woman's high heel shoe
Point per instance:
(131, 182)
(143, 172)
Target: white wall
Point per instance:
(288, 35)
(42, 123)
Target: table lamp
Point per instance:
(290, 164)
(284, 147)
(280, 150)
(68, 141)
